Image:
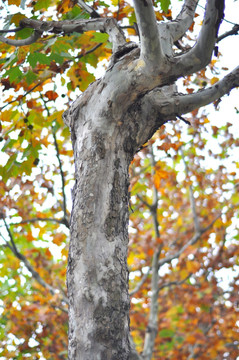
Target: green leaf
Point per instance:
(165, 333)
(38, 57)
(57, 58)
(30, 77)
(42, 4)
(165, 5)
(99, 37)
(14, 74)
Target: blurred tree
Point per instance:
(183, 228)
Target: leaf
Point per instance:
(100, 37)
(166, 333)
(38, 58)
(14, 74)
(51, 95)
(165, 5)
(214, 80)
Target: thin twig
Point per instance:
(33, 220)
(234, 31)
(22, 96)
(192, 241)
(140, 283)
(171, 283)
(192, 198)
(64, 205)
(22, 258)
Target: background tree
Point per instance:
(183, 226)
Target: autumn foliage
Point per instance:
(183, 209)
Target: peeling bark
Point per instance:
(114, 117)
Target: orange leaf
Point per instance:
(51, 95)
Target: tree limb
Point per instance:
(29, 267)
(200, 55)
(152, 326)
(183, 21)
(170, 106)
(93, 13)
(59, 221)
(192, 241)
(233, 31)
(106, 25)
(22, 96)
(192, 198)
(30, 40)
(140, 283)
(151, 51)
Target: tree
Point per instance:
(109, 123)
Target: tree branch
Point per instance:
(22, 96)
(30, 40)
(183, 21)
(62, 177)
(171, 106)
(106, 25)
(93, 13)
(64, 207)
(192, 241)
(171, 283)
(59, 221)
(200, 55)
(22, 258)
(140, 283)
(192, 198)
(234, 31)
(151, 51)
(152, 327)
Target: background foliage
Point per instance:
(184, 179)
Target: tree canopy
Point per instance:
(183, 228)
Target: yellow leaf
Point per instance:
(14, 2)
(16, 17)
(214, 80)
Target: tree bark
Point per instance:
(97, 267)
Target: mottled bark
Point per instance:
(114, 117)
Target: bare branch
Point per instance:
(30, 40)
(234, 31)
(64, 207)
(140, 283)
(192, 241)
(152, 327)
(183, 21)
(93, 13)
(200, 55)
(171, 283)
(151, 51)
(106, 25)
(22, 96)
(192, 199)
(169, 107)
(29, 267)
(10, 30)
(59, 221)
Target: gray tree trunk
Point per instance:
(114, 117)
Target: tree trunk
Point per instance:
(97, 268)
